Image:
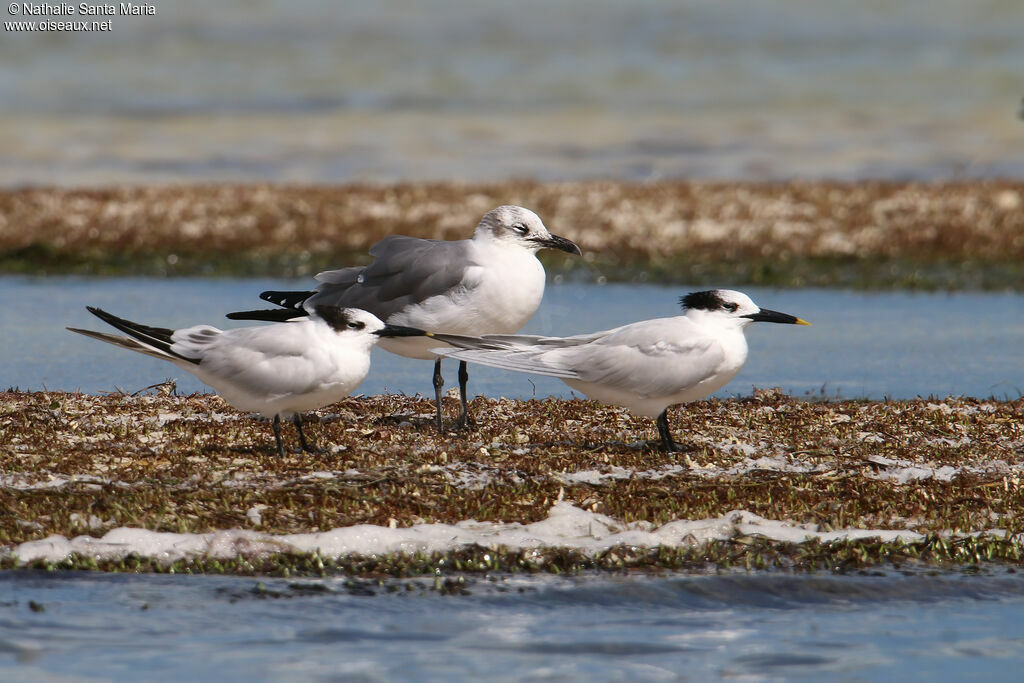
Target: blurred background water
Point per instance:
(860, 345)
(318, 91)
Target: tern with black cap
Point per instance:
(646, 366)
(278, 370)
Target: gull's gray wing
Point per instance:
(346, 277)
(405, 271)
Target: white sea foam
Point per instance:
(34, 482)
(475, 476)
(616, 473)
(903, 472)
(566, 526)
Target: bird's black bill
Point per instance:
(400, 331)
(560, 243)
(766, 316)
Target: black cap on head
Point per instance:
(335, 317)
(708, 300)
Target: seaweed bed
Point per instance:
(950, 469)
(866, 235)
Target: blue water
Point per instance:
(314, 91)
(891, 344)
(755, 627)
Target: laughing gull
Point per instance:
(489, 284)
(277, 370)
(646, 366)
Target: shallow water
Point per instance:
(761, 627)
(891, 344)
(308, 91)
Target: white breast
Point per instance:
(498, 298)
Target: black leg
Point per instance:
(277, 435)
(666, 436)
(464, 421)
(297, 420)
(438, 384)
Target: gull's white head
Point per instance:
(357, 324)
(729, 308)
(514, 225)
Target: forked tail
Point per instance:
(153, 341)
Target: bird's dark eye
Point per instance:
(356, 325)
(520, 228)
(730, 307)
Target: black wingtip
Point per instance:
(108, 317)
(286, 299)
(272, 315)
(156, 337)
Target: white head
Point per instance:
(358, 325)
(731, 309)
(514, 225)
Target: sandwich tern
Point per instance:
(645, 366)
(277, 370)
(489, 284)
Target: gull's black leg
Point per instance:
(438, 384)
(297, 420)
(277, 435)
(464, 421)
(666, 436)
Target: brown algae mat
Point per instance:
(949, 469)
(867, 234)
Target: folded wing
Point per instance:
(405, 271)
(649, 358)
